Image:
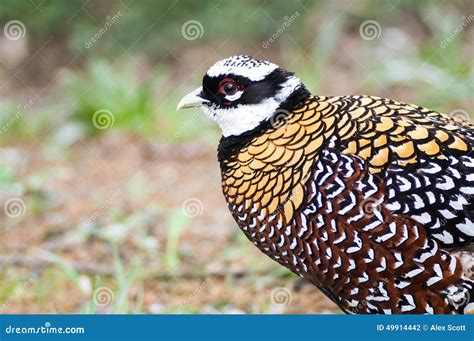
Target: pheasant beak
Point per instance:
(191, 100)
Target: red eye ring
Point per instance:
(228, 86)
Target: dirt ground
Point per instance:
(119, 192)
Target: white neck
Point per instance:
(245, 117)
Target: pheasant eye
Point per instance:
(228, 87)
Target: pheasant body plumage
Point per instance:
(365, 197)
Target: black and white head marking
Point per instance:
(241, 92)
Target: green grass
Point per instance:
(129, 104)
(176, 224)
(105, 87)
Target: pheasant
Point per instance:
(367, 198)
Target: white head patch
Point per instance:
(253, 69)
(235, 96)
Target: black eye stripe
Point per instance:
(211, 84)
(253, 91)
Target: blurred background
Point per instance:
(110, 200)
